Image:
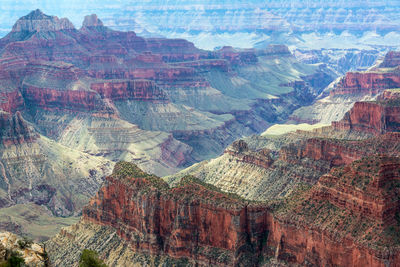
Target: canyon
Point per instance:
(340, 96)
(340, 221)
(152, 151)
(73, 102)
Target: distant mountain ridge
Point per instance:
(210, 24)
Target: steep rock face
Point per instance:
(372, 117)
(367, 83)
(261, 158)
(143, 90)
(392, 59)
(11, 101)
(319, 150)
(59, 86)
(75, 101)
(14, 130)
(339, 152)
(173, 222)
(362, 189)
(347, 217)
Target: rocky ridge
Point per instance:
(250, 234)
(170, 232)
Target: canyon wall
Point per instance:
(344, 220)
(157, 219)
(321, 226)
(372, 117)
(370, 82)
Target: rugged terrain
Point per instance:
(75, 101)
(349, 218)
(32, 253)
(340, 96)
(271, 165)
(326, 197)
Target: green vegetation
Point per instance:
(124, 170)
(14, 260)
(90, 258)
(190, 179)
(25, 243)
(289, 203)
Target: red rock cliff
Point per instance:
(345, 220)
(192, 220)
(239, 149)
(136, 90)
(366, 83)
(14, 130)
(340, 152)
(372, 117)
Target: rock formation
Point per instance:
(391, 60)
(14, 130)
(33, 255)
(157, 220)
(371, 82)
(347, 218)
(37, 21)
(48, 65)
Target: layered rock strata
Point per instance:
(156, 219)
(344, 220)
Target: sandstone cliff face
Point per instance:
(372, 117)
(76, 101)
(366, 83)
(14, 130)
(158, 220)
(347, 217)
(134, 90)
(363, 188)
(340, 152)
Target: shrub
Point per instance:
(25, 243)
(14, 260)
(90, 258)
